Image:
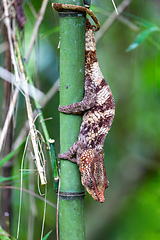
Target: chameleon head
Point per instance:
(93, 173)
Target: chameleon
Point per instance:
(98, 110)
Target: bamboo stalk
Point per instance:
(72, 60)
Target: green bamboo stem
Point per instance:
(72, 60)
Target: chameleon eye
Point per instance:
(91, 184)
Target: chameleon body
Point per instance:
(99, 109)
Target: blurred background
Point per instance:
(132, 148)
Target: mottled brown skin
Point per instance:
(99, 109)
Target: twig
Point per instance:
(57, 230)
(128, 23)
(8, 118)
(44, 101)
(111, 19)
(32, 9)
(115, 7)
(37, 104)
(29, 108)
(32, 127)
(13, 58)
(44, 212)
(36, 28)
(46, 98)
(10, 77)
(123, 19)
(8, 6)
(20, 204)
(29, 192)
(8, 24)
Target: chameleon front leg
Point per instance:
(87, 102)
(72, 155)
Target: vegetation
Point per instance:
(128, 53)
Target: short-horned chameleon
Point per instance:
(99, 109)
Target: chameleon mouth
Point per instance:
(100, 195)
(101, 198)
(96, 194)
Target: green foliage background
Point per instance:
(132, 152)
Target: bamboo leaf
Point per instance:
(96, 9)
(10, 155)
(139, 21)
(142, 37)
(47, 235)
(50, 32)
(54, 163)
(15, 177)
(4, 235)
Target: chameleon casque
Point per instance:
(99, 108)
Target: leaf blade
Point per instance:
(141, 37)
